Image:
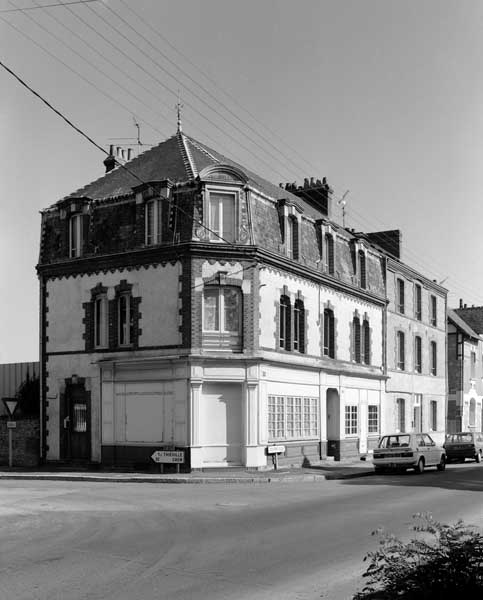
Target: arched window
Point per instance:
(329, 333)
(328, 251)
(299, 326)
(284, 322)
(366, 342)
(401, 415)
(356, 340)
(362, 268)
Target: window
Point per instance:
(362, 268)
(401, 415)
(418, 304)
(418, 413)
(329, 333)
(433, 415)
(373, 418)
(328, 251)
(153, 222)
(366, 342)
(400, 351)
(75, 236)
(351, 420)
(125, 319)
(100, 321)
(221, 211)
(400, 296)
(292, 237)
(434, 359)
(292, 417)
(418, 355)
(433, 311)
(473, 365)
(299, 326)
(356, 340)
(472, 419)
(222, 309)
(285, 322)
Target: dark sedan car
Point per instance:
(467, 444)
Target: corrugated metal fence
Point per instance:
(12, 375)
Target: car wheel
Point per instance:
(419, 468)
(478, 456)
(442, 463)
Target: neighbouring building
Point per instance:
(465, 369)
(12, 376)
(416, 387)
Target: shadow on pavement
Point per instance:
(469, 478)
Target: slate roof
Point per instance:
(167, 160)
(472, 317)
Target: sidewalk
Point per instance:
(316, 473)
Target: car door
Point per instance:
(421, 447)
(432, 451)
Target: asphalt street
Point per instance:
(299, 541)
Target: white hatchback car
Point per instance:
(403, 451)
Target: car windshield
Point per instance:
(394, 441)
(459, 438)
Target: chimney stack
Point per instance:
(110, 161)
(461, 302)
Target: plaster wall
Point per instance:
(157, 286)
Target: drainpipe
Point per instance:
(41, 364)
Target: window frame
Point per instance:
(400, 296)
(289, 420)
(372, 420)
(418, 354)
(285, 322)
(101, 321)
(153, 234)
(418, 302)
(400, 350)
(328, 341)
(329, 253)
(351, 420)
(366, 342)
(216, 231)
(433, 310)
(221, 310)
(361, 265)
(124, 333)
(356, 340)
(75, 234)
(299, 326)
(433, 415)
(433, 358)
(401, 415)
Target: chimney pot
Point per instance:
(461, 302)
(111, 149)
(319, 182)
(324, 180)
(465, 306)
(312, 182)
(118, 151)
(306, 182)
(129, 153)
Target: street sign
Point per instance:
(275, 449)
(11, 405)
(11, 424)
(168, 456)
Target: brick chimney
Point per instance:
(317, 193)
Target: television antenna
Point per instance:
(342, 203)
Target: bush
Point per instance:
(28, 395)
(445, 560)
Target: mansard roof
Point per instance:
(180, 158)
(462, 324)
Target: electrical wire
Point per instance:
(12, 10)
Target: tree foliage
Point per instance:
(443, 561)
(28, 395)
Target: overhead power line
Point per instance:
(11, 10)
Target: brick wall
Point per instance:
(25, 443)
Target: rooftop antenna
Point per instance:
(342, 202)
(138, 127)
(178, 107)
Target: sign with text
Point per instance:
(275, 449)
(11, 424)
(168, 456)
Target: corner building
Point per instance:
(188, 303)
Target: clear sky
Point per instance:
(382, 97)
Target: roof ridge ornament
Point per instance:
(178, 107)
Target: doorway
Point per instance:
(75, 423)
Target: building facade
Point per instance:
(416, 352)
(465, 370)
(188, 303)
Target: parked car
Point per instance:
(466, 444)
(401, 451)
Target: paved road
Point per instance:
(78, 540)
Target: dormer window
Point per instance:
(361, 265)
(328, 253)
(153, 222)
(222, 216)
(75, 236)
(292, 238)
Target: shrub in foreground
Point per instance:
(441, 562)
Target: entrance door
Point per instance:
(77, 422)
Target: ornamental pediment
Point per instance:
(223, 174)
